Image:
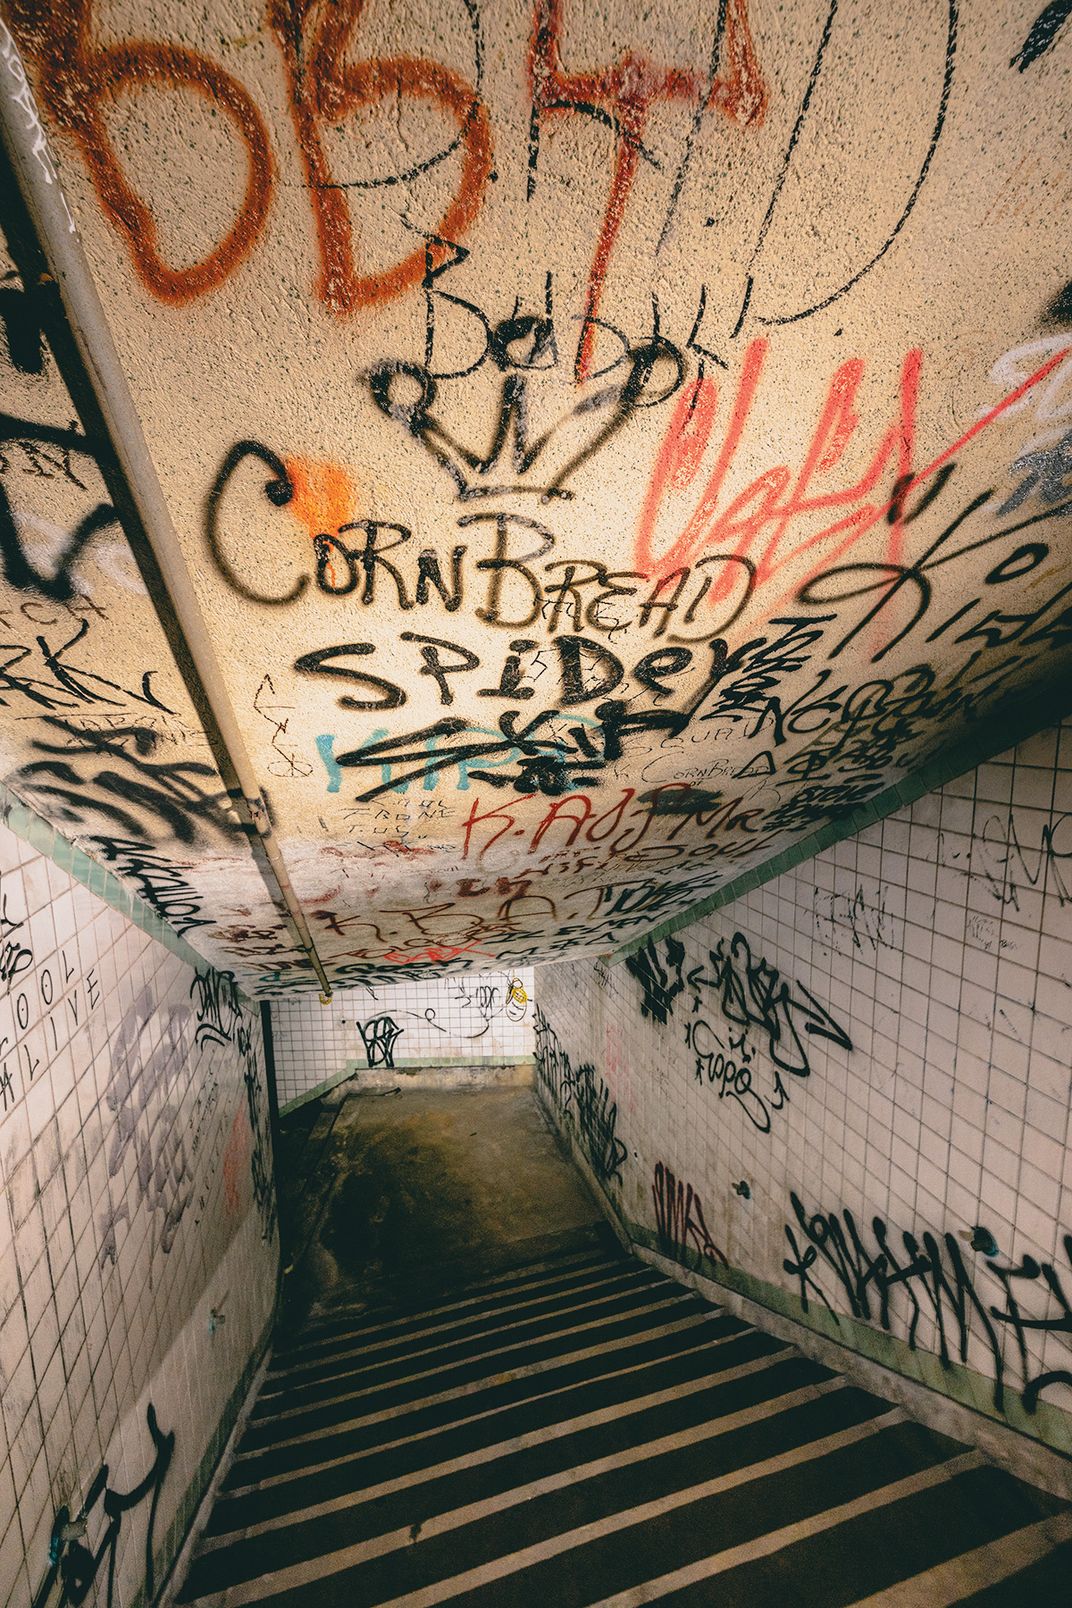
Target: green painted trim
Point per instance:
(42, 836)
(459, 1061)
(1050, 1425)
(949, 763)
(167, 1553)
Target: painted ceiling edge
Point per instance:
(37, 179)
(24, 821)
(1018, 719)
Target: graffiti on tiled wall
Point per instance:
(75, 1566)
(767, 1023)
(472, 1018)
(137, 1170)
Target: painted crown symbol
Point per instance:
(407, 392)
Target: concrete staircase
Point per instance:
(584, 1431)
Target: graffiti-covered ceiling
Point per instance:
(608, 443)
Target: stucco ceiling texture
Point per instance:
(609, 442)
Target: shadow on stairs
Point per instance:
(585, 1431)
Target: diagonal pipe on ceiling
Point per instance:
(50, 257)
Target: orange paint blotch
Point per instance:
(324, 495)
(324, 500)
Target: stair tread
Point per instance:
(577, 1427)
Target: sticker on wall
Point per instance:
(517, 1002)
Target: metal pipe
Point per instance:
(38, 181)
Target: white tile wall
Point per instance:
(137, 1197)
(468, 1019)
(940, 941)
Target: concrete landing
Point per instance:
(391, 1196)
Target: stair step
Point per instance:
(586, 1430)
(329, 1318)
